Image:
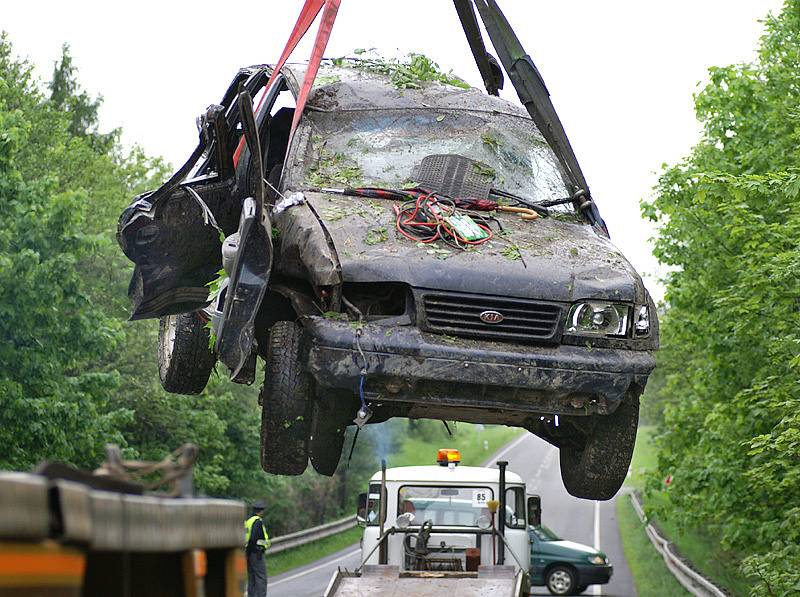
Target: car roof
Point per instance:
(443, 474)
(349, 87)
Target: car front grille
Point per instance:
(460, 315)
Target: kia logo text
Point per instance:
(491, 317)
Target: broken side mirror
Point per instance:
(361, 510)
(534, 510)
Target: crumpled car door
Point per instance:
(252, 263)
(174, 234)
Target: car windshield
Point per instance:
(381, 148)
(444, 506)
(545, 534)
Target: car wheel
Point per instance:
(184, 360)
(284, 402)
(560, 580)
(597, 470)
(327, 435)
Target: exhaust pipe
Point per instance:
(501, 519)
(382, 552)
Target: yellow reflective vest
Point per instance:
(248, 527)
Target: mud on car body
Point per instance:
(546, 326)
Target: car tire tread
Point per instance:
(284, 402)
(597, 471)
(185, 363)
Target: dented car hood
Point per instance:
(547, 259)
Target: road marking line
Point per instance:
(509, 447)
(315, 568)
(597, 589)
(544, 465)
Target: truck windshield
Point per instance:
(380, 148)
(444, 506)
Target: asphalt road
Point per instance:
(592, 523)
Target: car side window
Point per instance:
(515, 508)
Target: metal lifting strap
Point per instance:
(466, 14)
(533, 94)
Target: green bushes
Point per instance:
(729, 228)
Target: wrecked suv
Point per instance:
(359, 317)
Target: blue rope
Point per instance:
(361, 381)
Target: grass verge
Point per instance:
(476, 444)
(703, 551)
(650, 574)
(305, 554)
(698, 546)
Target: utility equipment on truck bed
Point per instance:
(440, 530)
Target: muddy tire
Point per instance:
(596, 471)
(184, 360)
(284, 402)
(561, 580)
(327, 435)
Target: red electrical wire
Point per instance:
(425, 220)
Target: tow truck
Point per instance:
(449, 536)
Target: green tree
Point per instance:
(729, 227)
(52, 400)
(74, 374)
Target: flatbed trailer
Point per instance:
(61, 538)
(389, 581)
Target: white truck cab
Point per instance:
(442, 523)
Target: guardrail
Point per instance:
(299, 538)
(691, 580)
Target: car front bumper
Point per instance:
(404, 364)
(590, 574)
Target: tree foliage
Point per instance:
(729, 227)
(74, 374)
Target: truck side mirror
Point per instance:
(361, 510)
(534, 510)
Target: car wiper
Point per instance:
(405, 194)
(537, 207)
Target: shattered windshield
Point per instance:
(381, 148)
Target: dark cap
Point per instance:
(259, 505)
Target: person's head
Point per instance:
(258, 508)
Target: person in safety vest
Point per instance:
(256, 541)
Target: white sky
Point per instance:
(621, 73)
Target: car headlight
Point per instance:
(598, 318)
(597, 560)
(642, 324)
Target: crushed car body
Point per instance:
(415, 251)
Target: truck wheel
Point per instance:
(560, 580)
(596, 471)
(327, 436)
(184, 360)
(284, 402)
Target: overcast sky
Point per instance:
(621, 73)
